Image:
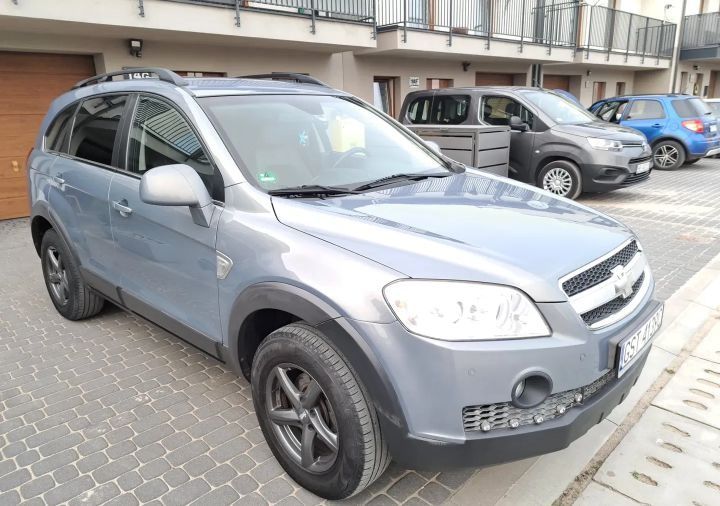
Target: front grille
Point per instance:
(641, 160)
(600, 272)
(612, 307)
(498, 415)
(636, 178)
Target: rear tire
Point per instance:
(316, 417)
(562, 178)
(69, 294)
(668, 155)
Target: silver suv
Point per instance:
(384, 301)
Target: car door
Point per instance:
(168, 262)
(497, 110)
(647, 116)
(81, 176)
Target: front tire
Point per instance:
(69, 294)
(315, 415)
(668, 155)
(562, 178)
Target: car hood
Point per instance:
(603, 130)
(463, 227)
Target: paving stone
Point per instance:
(67, 491)
(275, 490)
(187, 492)
(151, 490)
(38, 486)
(218, 497)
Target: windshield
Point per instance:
(284, 141)
(560, 109)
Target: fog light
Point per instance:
(485, 426)
(538, 419)
(578, 397)
(514, 423)
(519, 389)
(561, 409)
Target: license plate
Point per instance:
(631, 347)
(642, 167)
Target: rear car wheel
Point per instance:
(668, 155)
(562, 178)
(315, 415)
(69, 294)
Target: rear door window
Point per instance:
(645, 109)
(58, 133)
(418, 111)
(96, 127)
(450, 109)
(690, 107)
(498, 111)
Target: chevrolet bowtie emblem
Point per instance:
(621, 280)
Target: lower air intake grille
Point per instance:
(499, 415)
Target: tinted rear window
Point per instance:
(96, 125)
(419, 110)
(59, 131)
(450, 109)
(690, 107)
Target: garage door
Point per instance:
(486, 79)
(556, 82)
(28, 83)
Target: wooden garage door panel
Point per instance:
(17, 133)
(28, 83)
(487, 79)
(556, 82)
(23, 63)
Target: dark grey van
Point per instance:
(555, 144)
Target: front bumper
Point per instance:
(433, 381)
(605, 171)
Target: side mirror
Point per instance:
(177, 185)
(433, 145)
(517, 124)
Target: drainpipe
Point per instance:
(676, 53)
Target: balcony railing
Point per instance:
(701, 30)
(615, 31)
(547, 22)
(362, 11)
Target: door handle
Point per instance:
(121, 207)
(59, 180)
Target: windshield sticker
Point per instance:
(303, 138)
(267, 177)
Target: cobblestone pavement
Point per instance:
(113, 409)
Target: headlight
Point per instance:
(606, 144)
(464, 311)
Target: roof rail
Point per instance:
(165, 75)
(287, 76)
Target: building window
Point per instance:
(598, 90)
(384, 94)
(436, 84)
(619, 89)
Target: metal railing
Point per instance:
(362, 11)
(548, 22)
(615, 31)
(701, 30)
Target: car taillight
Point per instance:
(694, 125)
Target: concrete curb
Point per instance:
(558, 477)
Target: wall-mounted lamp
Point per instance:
(136, 46)
(588, 73)
(465, 65)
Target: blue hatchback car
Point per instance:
(680, 128)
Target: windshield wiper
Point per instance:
(311, 189)
(396, 178)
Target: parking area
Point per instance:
(114, 409)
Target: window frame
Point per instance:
(116, 145)
(626, 113)
(127, 128)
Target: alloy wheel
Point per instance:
(57, 276)
(558, 181)
(666, 156)
(302, 418)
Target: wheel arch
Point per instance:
(554, 158)
(657, 141)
